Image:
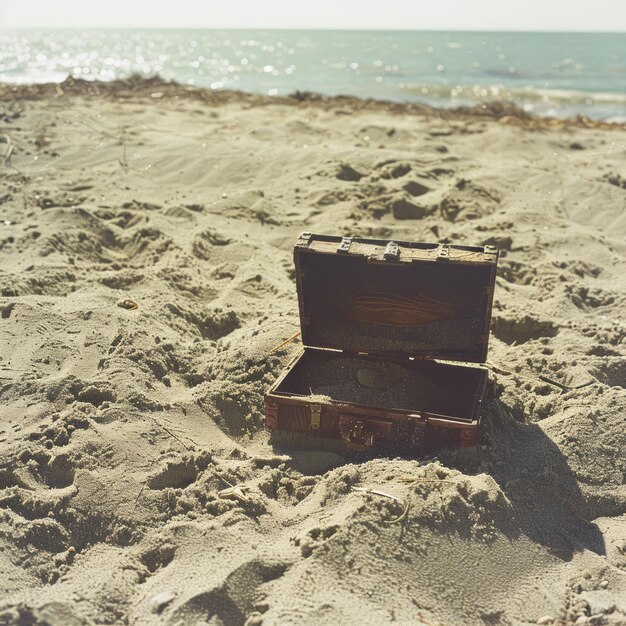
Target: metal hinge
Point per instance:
(344, 246)
(392, 251)
(303, 240)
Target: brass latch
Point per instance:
(316, 415)
(356, 436)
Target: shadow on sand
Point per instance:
(530, 469)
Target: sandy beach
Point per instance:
(146, 275)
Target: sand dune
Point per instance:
(119, 427)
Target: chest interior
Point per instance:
(386, 383)
(392, 326)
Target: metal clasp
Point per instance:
(316, 416)
(443, 252)
(392, 251)
(359, 437)
(355, 435)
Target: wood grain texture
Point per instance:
(395, 310)
(350, 302)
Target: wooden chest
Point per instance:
(394, 335)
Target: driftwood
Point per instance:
(383, 494)
(538, 377)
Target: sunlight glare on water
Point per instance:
(563, 74)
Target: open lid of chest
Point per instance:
(395, 298)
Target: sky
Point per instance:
(533, 15)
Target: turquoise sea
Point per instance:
(556, 74)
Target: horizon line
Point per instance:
(317, 29)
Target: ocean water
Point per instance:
(555, 74)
